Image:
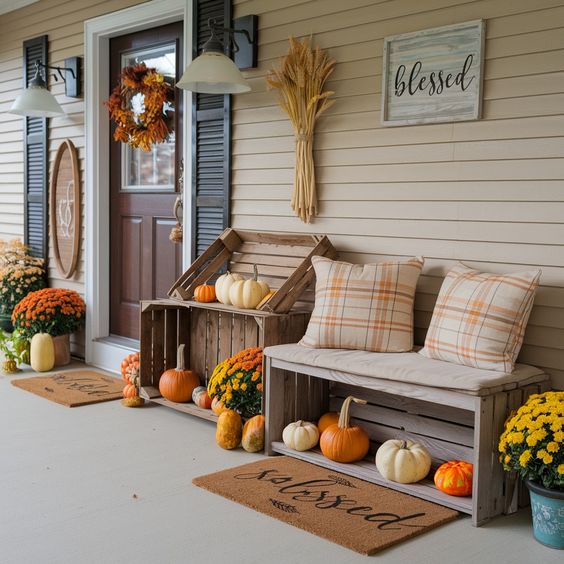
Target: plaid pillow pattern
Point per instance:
(365, 307)
(479, 319)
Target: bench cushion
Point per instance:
(410, 368)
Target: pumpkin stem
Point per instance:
(255, 270)
(180, 366)
(344, 415)
(403, 444)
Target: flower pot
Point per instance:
(62, 349)
(548, 515)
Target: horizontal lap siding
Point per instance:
(490, 193)
(63, 22)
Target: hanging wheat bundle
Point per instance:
(300, 81)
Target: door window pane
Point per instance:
(154, 170)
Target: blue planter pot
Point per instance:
(548, 515)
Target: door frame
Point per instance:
(102, 350)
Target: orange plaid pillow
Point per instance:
(479, 319)
(366, 307)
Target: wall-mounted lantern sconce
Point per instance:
(37, 101)
(213, 72)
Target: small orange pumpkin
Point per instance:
(130, 391)
(253, 434)
(201, 398)
(217, 406)
(455, 478)
(129, 362)
(327, 419)
(177, 384)
(342, 442)
(205, 293)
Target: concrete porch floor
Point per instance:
(69, 476)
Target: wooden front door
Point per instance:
(144, 263)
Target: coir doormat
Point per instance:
(73, 388)
(353, 513)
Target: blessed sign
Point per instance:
(433, 75)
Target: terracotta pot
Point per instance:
(62, 349)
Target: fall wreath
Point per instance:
(141, 105)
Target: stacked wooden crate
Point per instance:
(213, 331)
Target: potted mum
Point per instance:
(237, 382)
(56, 311)
(532, 445)
(20, 274)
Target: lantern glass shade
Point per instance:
(213, 73)
(36, 101)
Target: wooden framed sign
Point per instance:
(64, 208)
(433, 75)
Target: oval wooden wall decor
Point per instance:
(64, 208)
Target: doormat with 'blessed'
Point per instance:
(73, 388)
(353, 513)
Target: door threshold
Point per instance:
(121, 342)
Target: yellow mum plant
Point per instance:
(532, 443)
(237, 382)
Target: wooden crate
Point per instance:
(452, 425)
(211, 333)
(283, 261)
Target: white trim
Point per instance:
(100, 351)
(13, 5)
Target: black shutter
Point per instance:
(211, 141)
(35, 158)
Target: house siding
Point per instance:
(63, 22)
(489, 192)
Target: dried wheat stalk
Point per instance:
(300, 80)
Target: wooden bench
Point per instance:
(452, 423)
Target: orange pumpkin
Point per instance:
(177, 384)
(201, 398)
(253, 434)
(129, 362)
(205, 293)
(130, 391)
(217, 406)
(342, 442)
(327, 419)
(455, 478)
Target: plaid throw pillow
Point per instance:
(479, 319)
(366, 307)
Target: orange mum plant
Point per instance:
(56, 311)
(141, 105)
(237, 382)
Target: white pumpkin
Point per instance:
(248, 294)
(42, 352)
(301, 435)
(223, 284)
(402, 461)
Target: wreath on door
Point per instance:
(142, 107)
